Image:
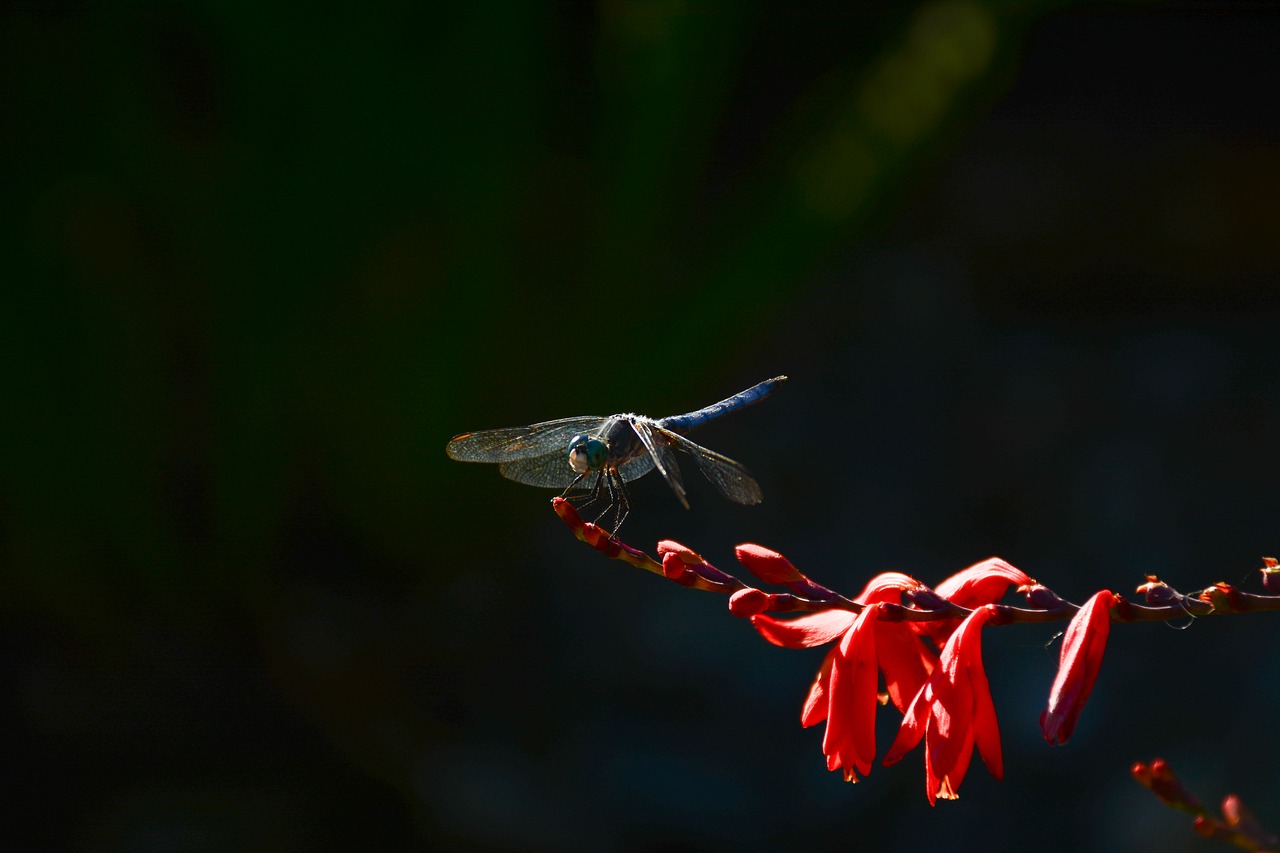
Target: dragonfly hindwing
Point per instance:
(730, 478)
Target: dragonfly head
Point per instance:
(587, 454)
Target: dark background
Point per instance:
(1019, 259)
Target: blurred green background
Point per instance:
(1019, 259)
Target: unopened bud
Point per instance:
(1271, 575)
(1158, 593)
(1040, 597)
(748, 602)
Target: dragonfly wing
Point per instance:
(550, 471)
(664, 458)
(505, 445)
(636, 468)
(730, 478)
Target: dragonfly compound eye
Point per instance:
(597, 451)
(578, 454)
(586, 454)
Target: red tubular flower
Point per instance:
(850, 739)
(1078, 664)
(844, 693)
(905, 661)
(805, 632)
(953, 713)
(982, 583)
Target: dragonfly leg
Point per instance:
(607, 506)
(624, 505)
(605, 479)
(594, 494)
(569, 488)
(574, 485)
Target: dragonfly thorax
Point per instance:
(587, 454)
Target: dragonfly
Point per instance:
(602, 454)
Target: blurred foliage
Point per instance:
(260, 268)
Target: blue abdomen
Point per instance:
(754, 394)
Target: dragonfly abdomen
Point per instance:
(754, 394)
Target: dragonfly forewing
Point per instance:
(549, 471)
(504, 445)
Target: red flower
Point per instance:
(953, 713)
(850, 739)
(1078, 664)
(982, 583)
(844, 693)
(904, 660)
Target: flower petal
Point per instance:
(815, 704)
(971, 588)
(905, 661)
(954, 713)
(767, 564)
(945, 771)
(748, 602)
(804, 632)
(1078, 665)
(850, 739)
(886, 588)
(670, 546)
(986, 729)
(948, 742)
(912, 727)
(982, 583)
